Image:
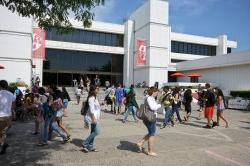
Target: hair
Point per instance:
(176, 90)
(165, 88)
(92, 91)
(41, 91)
(64, 89)
(207, 85)
(220, 93)
(4, 84)
(132, 86)
(152, 90)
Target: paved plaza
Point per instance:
(187, 144)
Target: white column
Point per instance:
(222, 45)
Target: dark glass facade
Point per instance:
(62, 66)
(229, 50)
(190, 48)
(86, 37)
(176, 60)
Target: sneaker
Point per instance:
(3, 150)
(42, 144)
(163, 126)
(85, 150)
(66, 140)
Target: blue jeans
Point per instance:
(174, 109)
(49, 122)
(130, 109)
(89, 141)
(65, 102)
(151, 126)
(168, 116)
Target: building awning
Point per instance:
(177, 74)
(2, 67)
(194, 75)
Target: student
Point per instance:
(92, 117)
(66, 99)
(209, 105)
(166, 101)
(220, 107)
(131, 104)
(7, 104)
(187, 100)
(118, 99)
(151, 126)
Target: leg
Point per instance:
(218, 118)
(221, 116)
(126, 115)
(36, 125)
(57, 130)
(142, 141)
(150, 146)
(178, 114)
(60, 124)
(133, 113)
(90, 139)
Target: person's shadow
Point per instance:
(129, 146)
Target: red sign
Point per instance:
(141, 52)
(39, 43)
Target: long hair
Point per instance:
(92, 91)
(220, 93)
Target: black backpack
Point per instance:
(85, 107)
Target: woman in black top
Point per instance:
(187, 103)
(66, 99)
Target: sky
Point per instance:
(209, 18)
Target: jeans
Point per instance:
(168, 116)
(5, 123)
(65, 102)
(174, 109)
(89, 141)
(49, 122)
(130, 109)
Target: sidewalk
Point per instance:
(188, 144)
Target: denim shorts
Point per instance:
(151, 126)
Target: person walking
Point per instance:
(131, 104)
(151, 126)
(78, 95)
(166, 101)
(118, 99)
(7, 104)
(220, 107)
(66, 99)
(187, 100)
(92, 117)
(209, 105)
(175, 105)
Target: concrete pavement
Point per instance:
(187, 144)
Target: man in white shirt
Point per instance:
(7, 103)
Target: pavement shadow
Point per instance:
(192, 124)
(245, 122)
(247, 128)
(128, 146)
(200, 122)
(23, 149)
(76, 142)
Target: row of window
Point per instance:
(66, 79)
(190, 48)
(86, 37)
(66, 60)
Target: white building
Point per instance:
(110, 51)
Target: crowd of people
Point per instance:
(48, 105)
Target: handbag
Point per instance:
(144, 113)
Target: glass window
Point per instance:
(51, 61)
(65, 79)
(114, 40)
(229, 50)
(102, 39)
(108, 39)
(88, 37)
(117, 63)
(96, 38)
(185, 48)
(78, 61)
(98, 62)
(49, 78)
(189, 51)
(120, 41)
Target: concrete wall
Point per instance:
(15, 46)
(150, 23)
(229, 72)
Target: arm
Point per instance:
(92, 109)
(153, 104)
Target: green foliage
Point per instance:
(243, 94)
(54, 13)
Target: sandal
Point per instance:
(152, 154)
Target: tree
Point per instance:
(54, 13)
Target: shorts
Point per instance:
(151, 126)
(209, 111)
(118, 103)
(219, 110)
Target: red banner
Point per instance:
(141, 52)
(39, 37)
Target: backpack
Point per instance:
(85, 107)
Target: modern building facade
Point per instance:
(110, 50)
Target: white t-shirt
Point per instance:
(94, 108)
(6, 100)
(78, 92)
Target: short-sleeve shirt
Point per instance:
(6, 100)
